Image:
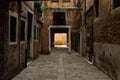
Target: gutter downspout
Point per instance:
(84, 36)
(19, 30)
(85, 13)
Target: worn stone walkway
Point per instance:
(61, 66)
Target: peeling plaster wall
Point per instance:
(107, 58)
(106, 36)
(107, 39)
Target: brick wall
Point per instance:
(106, 36)
(36, 49)
(3, 18)
(107, 39)
(44, 31)
(12, 58)
(36, 42)
(48, 20)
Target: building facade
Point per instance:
(58, 13)
(18, 46)
(106, 41)
(100, 34)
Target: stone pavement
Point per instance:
(60, 65)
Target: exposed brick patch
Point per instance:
(107, 30)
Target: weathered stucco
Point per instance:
(107, 39)
(107, 58)
(107, 28)
(106, 35)
(59, 4)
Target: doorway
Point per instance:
(29, 36)
(90, 45)
(59, 18)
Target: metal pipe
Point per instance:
(85, 13)
(19, 30)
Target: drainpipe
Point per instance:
(85, 13)
(19, 30)
(84, 36)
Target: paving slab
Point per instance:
(60, 65)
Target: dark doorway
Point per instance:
(90, 35)
(29, 31)
(75, 41)
(59, 18)
(90, 44)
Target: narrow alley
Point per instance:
(31, 32)
(60, 65)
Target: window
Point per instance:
(97, 8)
(54, 0)
(59, 18)
(116, 3)
(38, 33)
(13, 29)
(22, 31)
(66, 0)
(35, 33)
